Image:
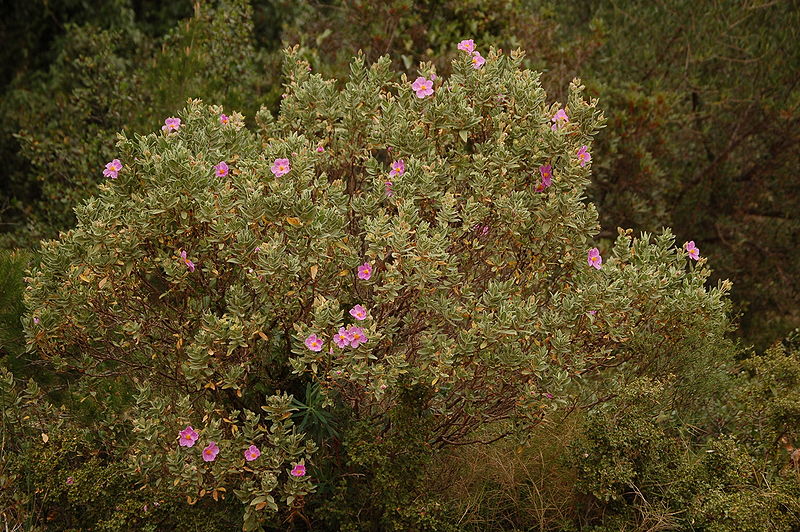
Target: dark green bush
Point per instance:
(646, 468)
(384, 480)
(703, 127)
(12, 272)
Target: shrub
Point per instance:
(696, 112)
(704, 123)
(647, 468)
(767, 403)
(473, 303)
(12, 271)
(62, 470)
(117, 79)
(703, 116)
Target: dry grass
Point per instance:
(508, 485)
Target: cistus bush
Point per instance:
(110, 78)
(702, 125)
(61, 470)
(416, 254)
(703, 115)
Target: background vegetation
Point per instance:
(702, 109)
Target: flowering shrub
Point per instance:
(463, 298)
(691, 127)
(59, 469)
(111, 77)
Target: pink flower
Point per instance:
(171, 124)
(281, 167)
(189, 264)
(466, 45)
(70, 481)
(314, 343)
(546, 172)
(559, 119)
(298, 470)
(692, 250)
(592, 312)
(112, 169)
(481, 230)
(357, 336)
(36, 321)
(342, 338)
(548, 395)
(423, 87)
(224, 119)
(188, 436)
(477, 60)
(320, 149)
(583, 155)
(398, 168)
(221, 169)
(359, 312)
(251, 453)
(365, 271)
(210, 453)
(388, 186)
(594, 258)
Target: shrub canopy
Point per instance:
(391, 249)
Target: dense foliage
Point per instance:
(103, 80)
(388, 293)
(704, 112)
